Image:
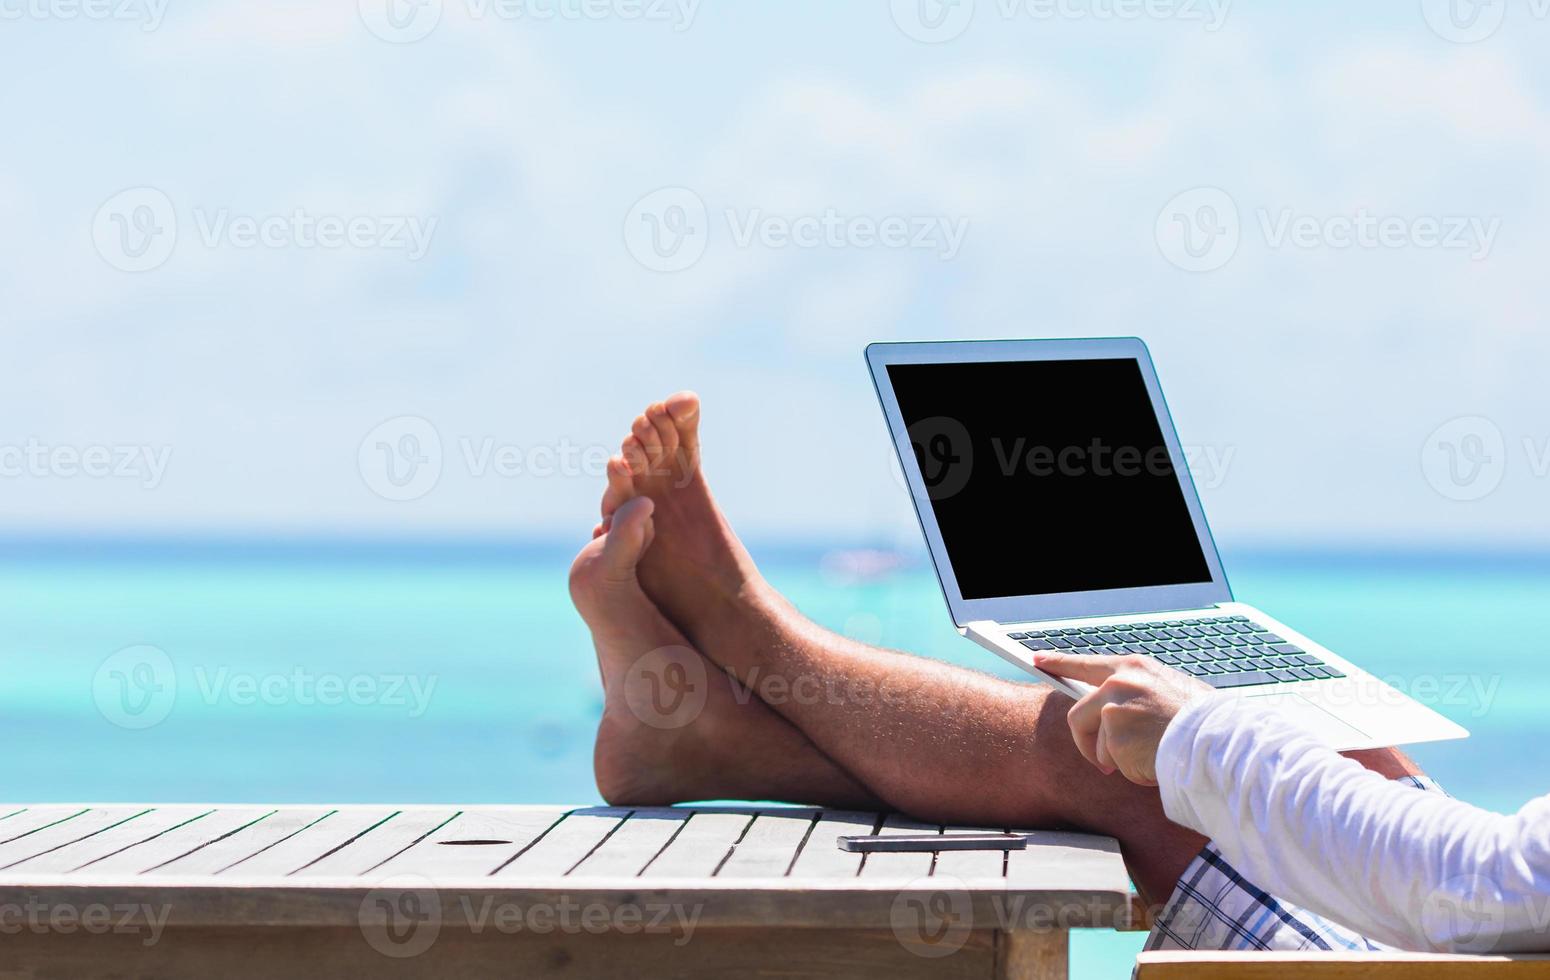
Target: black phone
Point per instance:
(867, 843)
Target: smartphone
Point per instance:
(867, 843)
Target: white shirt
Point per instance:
(1406, 867)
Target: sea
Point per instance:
(290, 670)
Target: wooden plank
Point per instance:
(704, 843)
(33, 819)
(459, 850)
(66, 832)
(634, 844)
(341, 829)
(567, 844)
(175, 842)
(709, 954)
(266, 828)
(381, 845)
(6, 816)
(770, 847)
(1058, 860)
(126, 837)
(973, 868)
(1337, 965)
(901, 866)
(821, 857)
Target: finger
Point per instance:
(1085, 718)
(1093, 670)
(1106, 760)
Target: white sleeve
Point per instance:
(1405, 867)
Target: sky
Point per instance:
(410, 267)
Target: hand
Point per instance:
(1119, 725)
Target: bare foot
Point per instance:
(675, 727)
(699, 574)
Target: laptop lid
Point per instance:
(1048, 478)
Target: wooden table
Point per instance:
(263, 891)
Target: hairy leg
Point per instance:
(674, 727)
(940, 742)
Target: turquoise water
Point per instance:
(479, 683)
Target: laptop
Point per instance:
(1060, 513)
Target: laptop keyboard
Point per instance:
(1230, 651)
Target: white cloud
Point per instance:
(530, 322)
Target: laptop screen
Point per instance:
(1048, 477)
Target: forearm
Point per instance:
(1404, 866)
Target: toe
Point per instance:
(620, 488)
(684, 408)
(644, 431)
(667, 432)
(634, 457)
(627, 539)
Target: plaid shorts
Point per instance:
(1215, 907)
